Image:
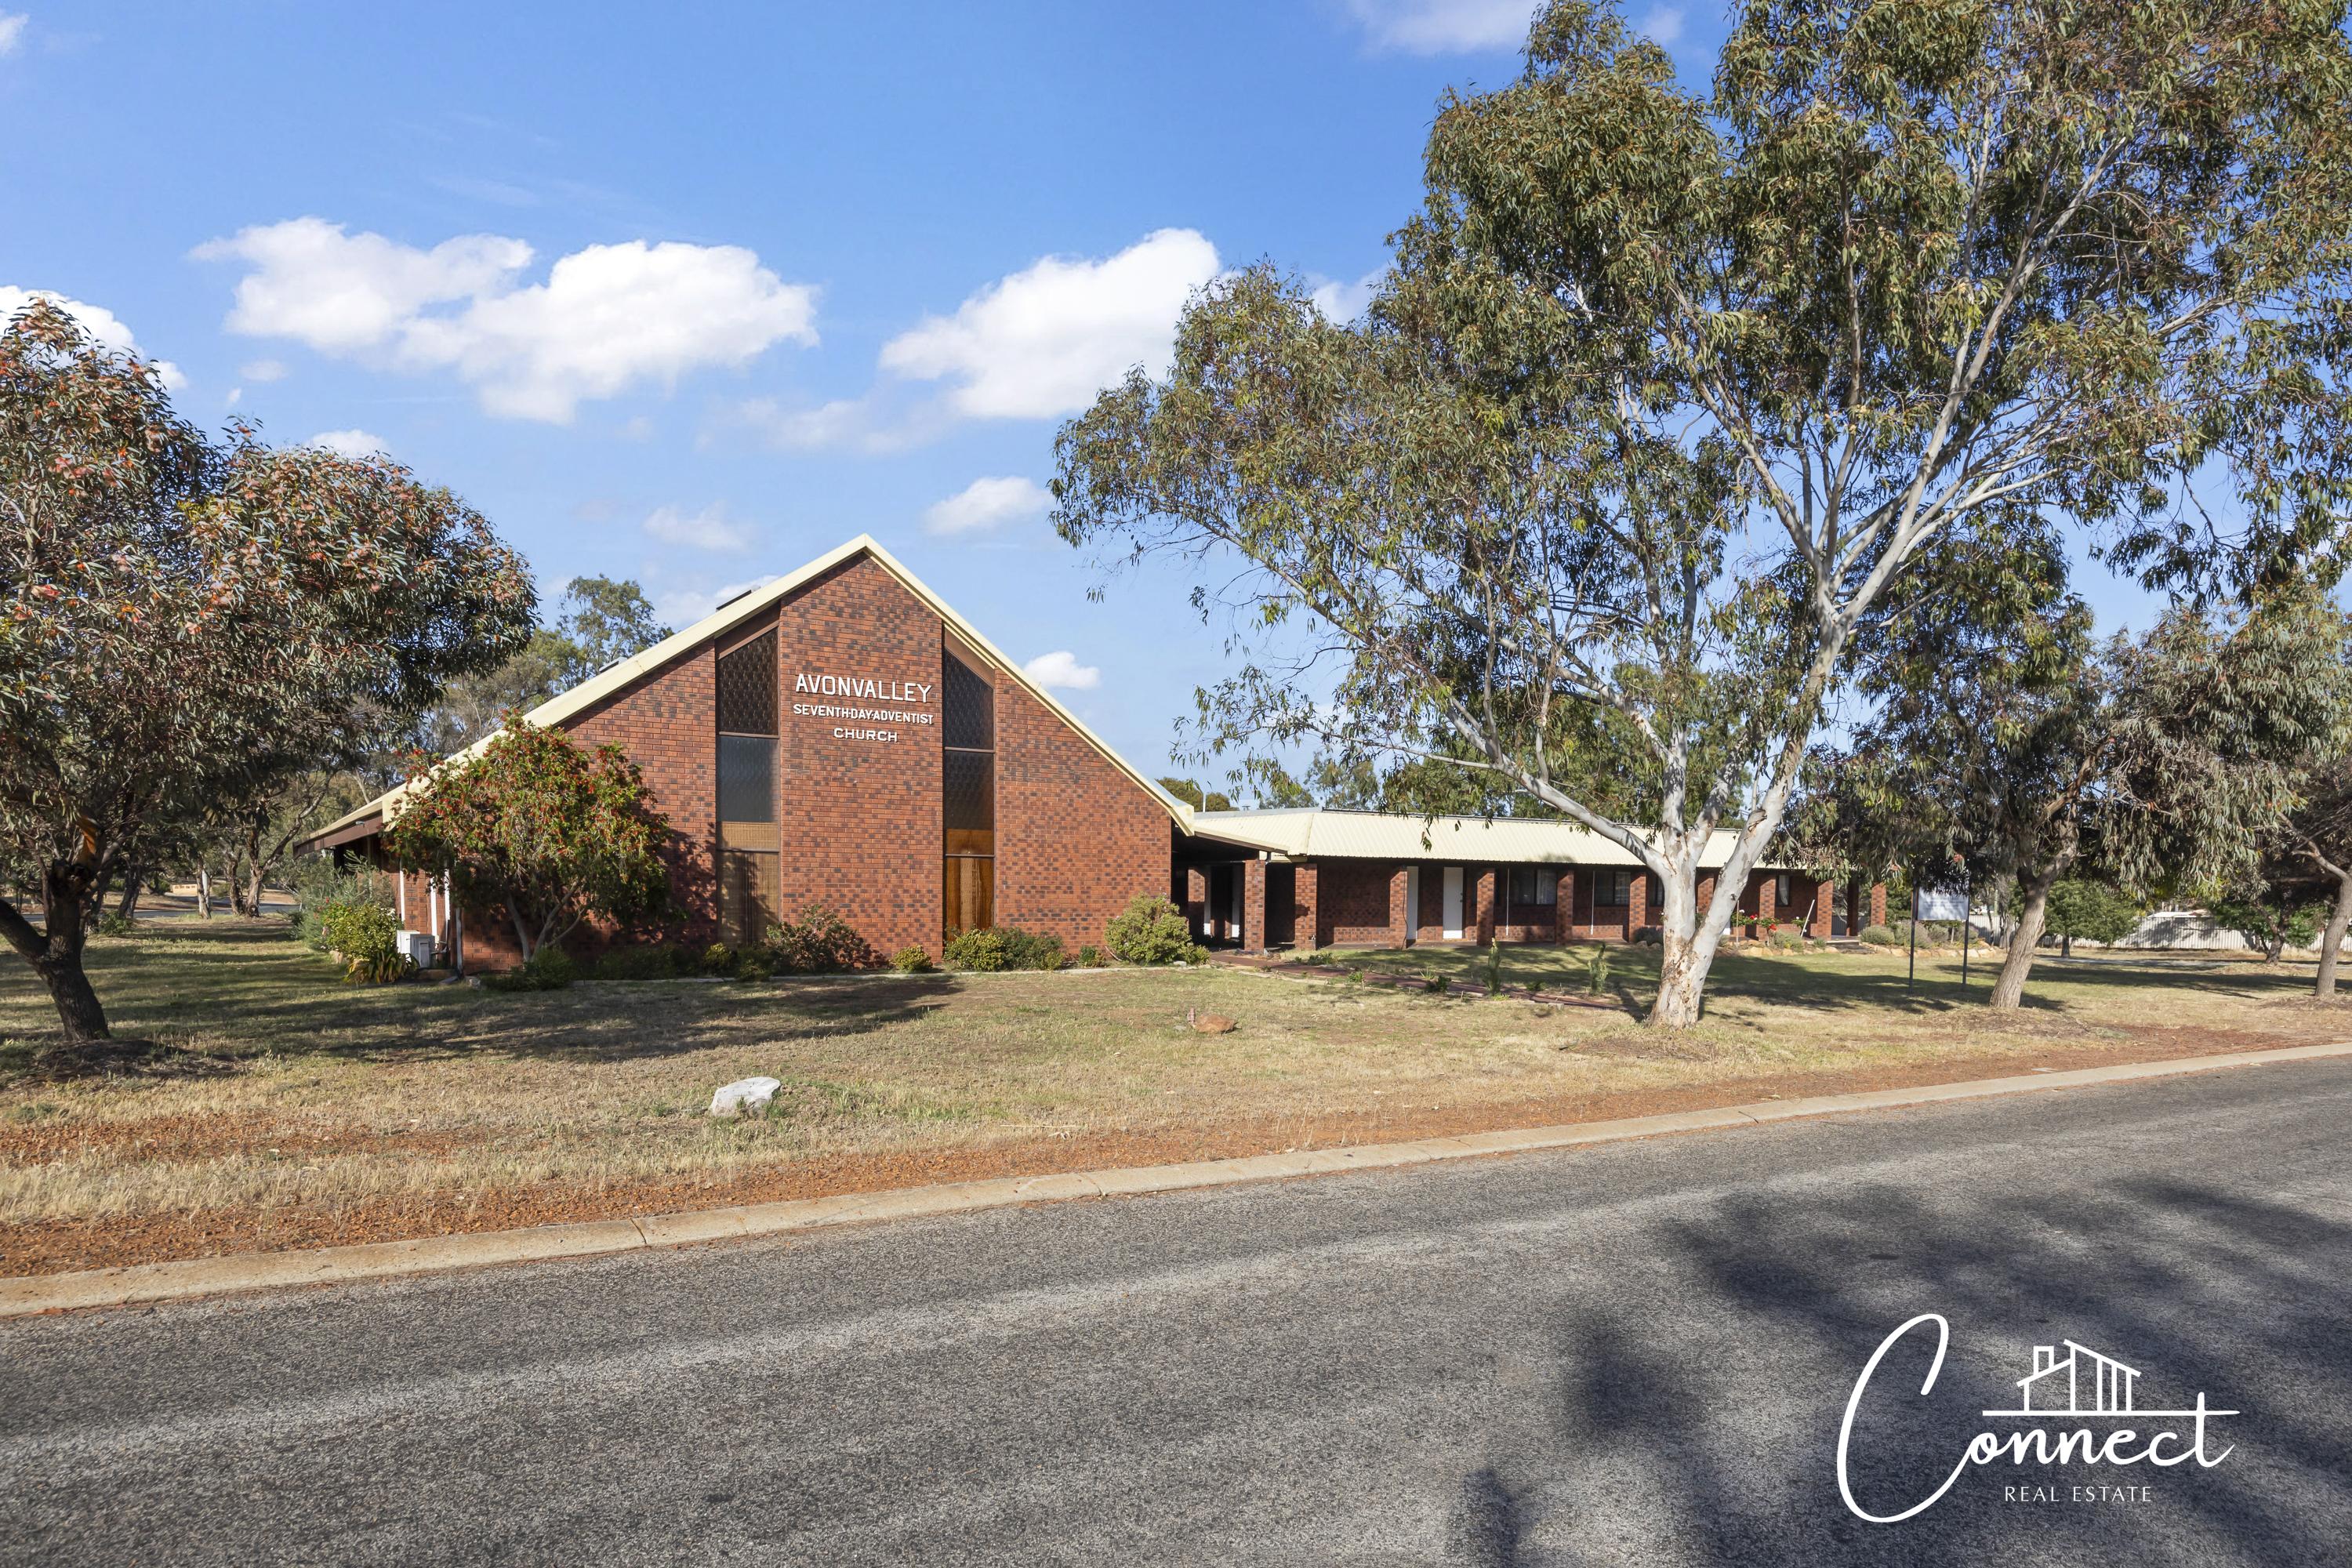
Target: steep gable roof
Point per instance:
(611, 681)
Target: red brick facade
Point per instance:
(1076, 839)
(859, 817)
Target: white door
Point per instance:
(1412, 904)
(1454, 900)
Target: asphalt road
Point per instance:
(1638, 1353)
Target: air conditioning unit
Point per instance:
(416, 946)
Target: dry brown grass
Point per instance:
(273, 1088)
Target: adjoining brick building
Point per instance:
(841, 737)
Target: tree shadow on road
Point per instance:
(1688, 1417)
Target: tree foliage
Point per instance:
(2091, 909)
(602, 620)
(190, 623)
(1661, 396)
(553, 833)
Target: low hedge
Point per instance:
(1003, 947)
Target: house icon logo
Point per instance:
(2078, 1406)
(2080, 1383)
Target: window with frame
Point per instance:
(1535, 887)
(1613, 890)
(750, 862)
(1784, 894)
(967, 809)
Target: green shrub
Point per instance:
(1437, 985)
(912, 961)
(718, 959)
(1003, 947)
(1092, 957)
(115, 924)
(1596, 974)
(550, 969)
(1787, 940)
(366, 934)
(1196, 954)
(1880, 936)
(1492, 966)
(1149, 930)
(819, 942)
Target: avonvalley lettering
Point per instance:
(868, 687)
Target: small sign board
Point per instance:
(1938, 904)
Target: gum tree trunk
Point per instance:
(55, 948)
(2338, 920)
(1683, 955)
(2008, 991)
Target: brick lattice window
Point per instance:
(749, 865)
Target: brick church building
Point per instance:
(842, 737)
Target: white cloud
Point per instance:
(1061, 670)
(1662, 24)
(608, 317)
(1042, 341)
(350, 443)
(263, 370)
(683, 600)
(1443, 26)
(12, 30)
(985, 503)
(1343, 302)
(709, 529)
(98, 322)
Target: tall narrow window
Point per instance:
(750, 878)
(969, 808)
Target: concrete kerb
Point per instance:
(151, 1282)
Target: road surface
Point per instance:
(1637, 1353)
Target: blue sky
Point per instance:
(691, 296)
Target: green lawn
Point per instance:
(278, 1105)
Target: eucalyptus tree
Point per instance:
(186, 622)
(2153, 765)
(1662, 393)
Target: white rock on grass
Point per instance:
(744, 1094)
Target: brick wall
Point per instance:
(1352, 900)
(667, 723)
(1076, 839)
(859, 819)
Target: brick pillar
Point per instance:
(1484, 927)
(1637, 902)
(1253, 906)
(1878, 903)
(1824, 897)
(1563, 913)
(1703, 893)
(1401, 920)
(1307, 929)
(1196, 901)
(1768, 883)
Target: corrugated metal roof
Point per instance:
(1312, 833)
